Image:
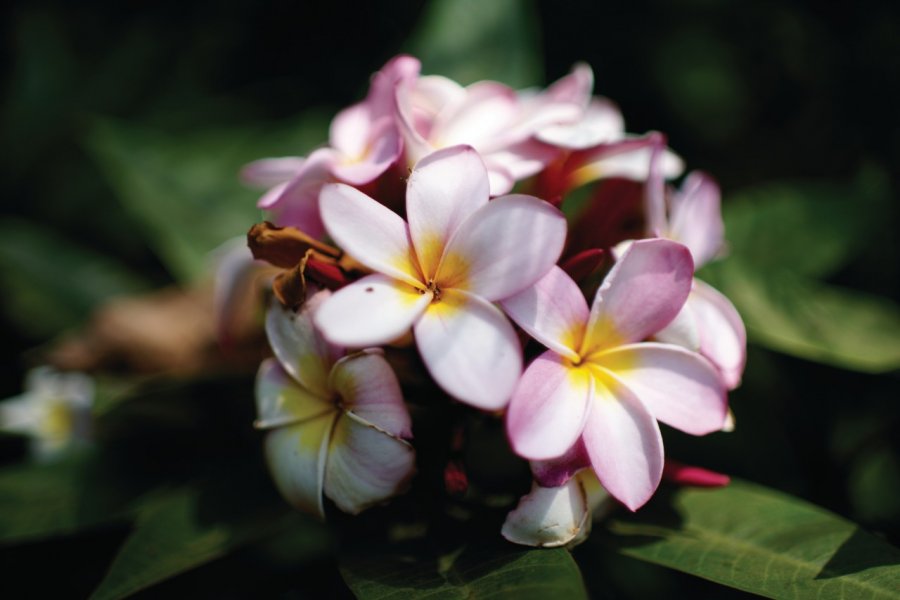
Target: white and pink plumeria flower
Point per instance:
(55, 412)
(336, 423)
(441, 272)
(600, 383)
(500, 123)
(364, 142)
(709, 323)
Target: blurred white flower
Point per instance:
(54, 411)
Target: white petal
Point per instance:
(281, 401)
(296, 455)
(548, 517)
(723, 338)
(298, 346)
(624, 444)
(470, 349)
(372, 311)
(504, 247)
(21, 414)
(444, 188)
(679, 387)
(553, 311)
(602, 123)
(369, 389)
(368, 231)
(365, 465)
(683, 330)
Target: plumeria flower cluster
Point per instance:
(433, 219)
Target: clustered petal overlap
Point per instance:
(449, 204)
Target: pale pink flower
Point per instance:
(336, 424)
(363, 143)
(709, 323)
(500, 123)
(441, 272)
(600, 383)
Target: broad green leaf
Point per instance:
(50, 283)
(805, 227)
(477, 570)
(760, 541)
(183, 529)
(184, 188)
(472, 40)
(789, 313)
(45, 500)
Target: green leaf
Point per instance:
(183, 529)
(472, 40)
(760, 541)
(51, 283)
(805, 227)
(184, 188)
(476, 570)
(832, 325)
(44, 500)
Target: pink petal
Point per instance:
(624, 444)
(268, 172)
(656, 188)
(642, 293)
(296, 202)
(281, 401)
(553, 311)
(557, 471)
(575, 87)
(368, 231)
(679, 387)
(681, 474)
(401, 71)
(548, 408)
(381, 151)
(548, 517)
(696, 217)
(351, 130)
(444, 188)
(299, 348)
(296, 456)
(369, 389)
(236, 293)
(723, 339)
(365, 465)
(372, 311)
(470, 349)
(432, 94)
(504, 247)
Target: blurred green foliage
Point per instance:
(125, 125)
